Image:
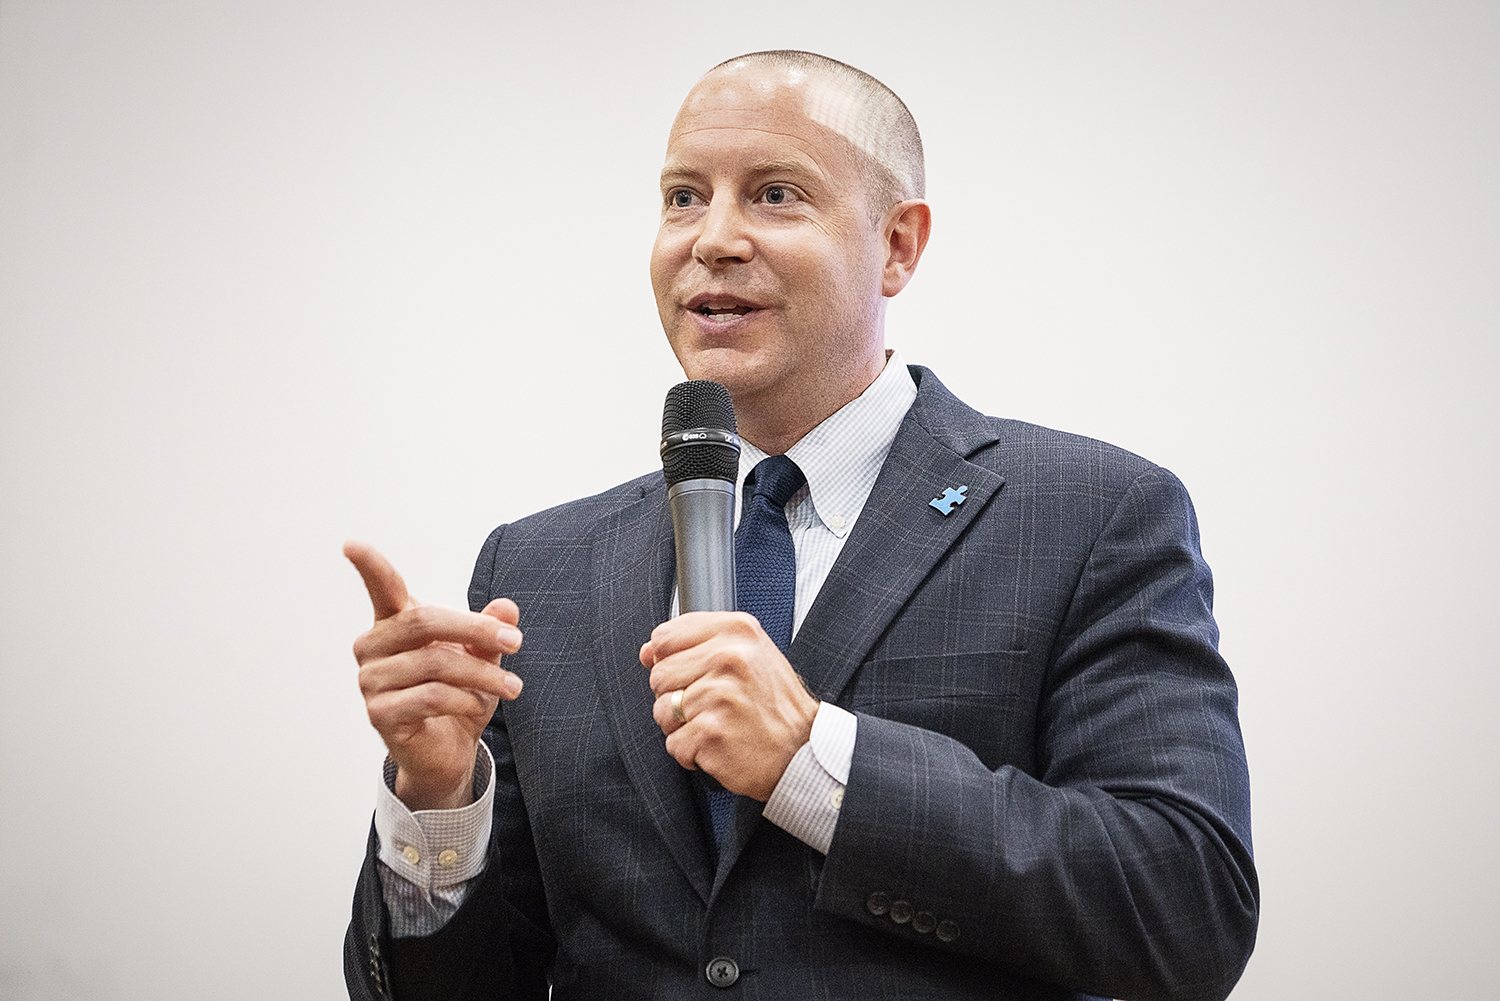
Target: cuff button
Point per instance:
(902, 911)
(923, 922)
(878, 904)
(947, 931)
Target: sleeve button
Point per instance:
(923, 922)
(901, 911)
(947, 931)
(878, 904)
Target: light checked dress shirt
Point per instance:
(429, 857)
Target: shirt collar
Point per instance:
(842, 456)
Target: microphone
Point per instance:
(700, 456)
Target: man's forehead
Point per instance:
(765, 97)
(749, 85)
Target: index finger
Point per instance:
(692, 628)
(387, 589)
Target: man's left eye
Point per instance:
(777, 195)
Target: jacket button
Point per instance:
(878, 904)
(947, 931)
(723, 971)
(923, 922)
(901, 911)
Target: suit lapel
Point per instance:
(899, 537)
(634, 567)
(897, 541)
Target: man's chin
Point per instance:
(743, 373)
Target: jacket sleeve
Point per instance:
(1120, 863)
(497, 945)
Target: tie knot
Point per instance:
(776, 478)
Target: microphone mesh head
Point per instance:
(697, 404)
(692, 405)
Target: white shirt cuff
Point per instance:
(807, 800)
(429, 856)
(833, 740)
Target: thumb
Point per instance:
(505, 610)
(387, 589)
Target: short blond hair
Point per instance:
(867, 113)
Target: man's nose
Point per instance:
(725, 236)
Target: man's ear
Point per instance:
(907, 226)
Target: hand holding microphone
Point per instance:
(728, 700)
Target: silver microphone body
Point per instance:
(703, 524)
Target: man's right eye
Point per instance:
(681, 199)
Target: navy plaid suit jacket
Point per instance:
(1048, 798)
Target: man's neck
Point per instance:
(774, 426)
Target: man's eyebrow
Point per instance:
(788, 167)
(673, 173)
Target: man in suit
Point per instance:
(988, 748)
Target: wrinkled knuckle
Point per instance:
(736, 658)
(708, 693)
(422, 618)
(418, 663)
(710, 720)
(433, 701)
(362, 644)
(711, 740)
(681, 747)
(378, 713)
(433, 661)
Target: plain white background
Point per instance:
(277, 273)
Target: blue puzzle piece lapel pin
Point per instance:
(952, 497)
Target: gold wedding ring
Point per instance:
(677, 712)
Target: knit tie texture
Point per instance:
(765, 577)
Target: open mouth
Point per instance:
(720, 307)
(723, 312)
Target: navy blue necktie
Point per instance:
(765, 576)
(765, 564)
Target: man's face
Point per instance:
(766, 268)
